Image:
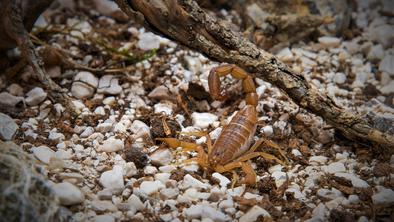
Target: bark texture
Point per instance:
(185, 22)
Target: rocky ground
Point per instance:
(130, 87)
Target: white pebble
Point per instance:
(383, 196)
(223, 181)
(139, 129)
(318, 159)
(150, 170)
(108, 84)
(356, 181)
(113, 179)
(334, 167)
(35, 96)
(151, 187)
(148, 41)
(203, 120)
(68, 194)
(189, 181)
(111, 145)
(163, 108)
(330, 42)
(267, 130)
(253, 214)
(161, 157)
(8, 127)
(43, 153)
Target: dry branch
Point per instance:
(185, 22)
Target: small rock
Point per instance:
(68, 194)
(285, 55)
(103, 218)
(335, 167)
(387, 65)
(104, 127)
(163, 108)
(384, 196)
(87, 132)
(203, 120)
(8, 127)
(319, 213)
(296, 152)
(253, 214)
(387, 89)
(10, 100)
(35, 96)
(161, 157)
(193, 64)
(329, 42)
(223, 181)
(170, 193)
(280, 178)
(139, 129)
(108, 84)
(267, 130)
(162, 177)
(55, 136)
(112, 179)
(131, 169)
(376, 53)
(151, 187)
(105, 194)
(43, 153)
(148, 41)
(204, 211)
(189, 181)
(329, 194)
(100, 111)
(160, 92)
(15, 89)
(318, 159)
(103, 206)
(135, 202)
(340, 78)
(150, 170)
(111, 145)
(54, 71)
(356, 181)
(81, 90)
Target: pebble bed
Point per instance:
(95, 179)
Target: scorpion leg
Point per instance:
(269, 143)
(252, 155)
(201, 133)
(236, 72)
(250, 177)
(201, 159)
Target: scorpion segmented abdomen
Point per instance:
(236, 137)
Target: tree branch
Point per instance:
(185, 22)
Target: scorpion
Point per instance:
(232, 149)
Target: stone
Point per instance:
(103, 218)
(318, 159)
(334, 168)
(162, 177)
(257, 15)
(8, 127)
(151, 187)
(113, 179)
(329, 42)
(111, 145)
(11, 100)
(161, 157)
(148, 41)
(87, 132)
(99, 111)
(223, 181)
(169, 193)
(55, 136)
(108, 84)
(150, 170)
(190, 181)
(131, 169)
(376, 53)
(384, 34)
(267, 130)
(135, 202)
(68, 194)
(203, 120)
(35, 96)
(339, 78)
(163, 108)
(103, 206)
(204, 211)
(384, 196)
(105, 194)
(82, 90)
(253, 214)
(280, 178)
(387, 65)
(356, 181)
(15, 89)
(387, 89)
(193, 64)
(104, 127)
(285, 55)
(159, 93)
(43, 153)
(139, 129)
(329, 194)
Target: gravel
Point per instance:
(8, 127)
(68, 194)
